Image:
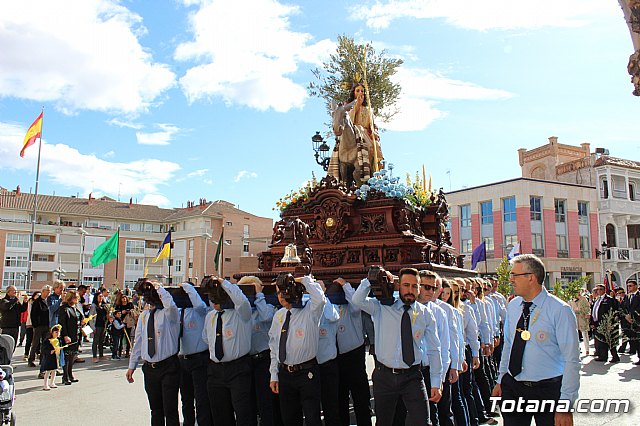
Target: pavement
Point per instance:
(103, 397)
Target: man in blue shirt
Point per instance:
(194, 360)
(156, 342)
(53, 301)
(404, 330)
(541, 357)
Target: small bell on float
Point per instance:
(290, 255)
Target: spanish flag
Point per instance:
(34, 132)
(165, 249)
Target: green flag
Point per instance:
(106, 251)
(216, 260)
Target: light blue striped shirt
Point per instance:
(386, 322)
(442, 328)
(350, 328)
(191, 341)
(261, 317)
(236, 326)
(167, 328)
(302, 341)
(553, 348)
(460, 324)
(486, 336)
(455, 333)
(471, 329)
(327, 349)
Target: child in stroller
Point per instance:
(7, 395)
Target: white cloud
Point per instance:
(421, 89)
(121, 123)
(163, 137)
(78, 54)
(487, 14)
(246, 54)
(245, 174)
(208, 181)
(109, 154)
(67, 167)
(156, 200)
(200, 172)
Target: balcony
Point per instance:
(617, 254)
(619, 206)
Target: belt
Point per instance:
(162, 363)
(192, 356)
(381, 366)
(298, 367)
(530, 384)
(261, 355)
(242, 358)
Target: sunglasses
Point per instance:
(429, 287)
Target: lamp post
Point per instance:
(82, 233)
(601, 255)
(321, 150)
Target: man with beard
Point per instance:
(404, 331)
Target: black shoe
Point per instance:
(79, 361)
(636, 363)
(59, 373)
(32, 364)
(66, 382)
(41, 375)
(491, 414)
(600, 359)
(73, 380)
(616, 359)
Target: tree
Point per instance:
(571, 290)
(503, 270)
(347, 66)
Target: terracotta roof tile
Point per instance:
(614, 161)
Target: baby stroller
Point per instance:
(7, 394)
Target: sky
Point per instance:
(171, 101)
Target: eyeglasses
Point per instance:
(512, 275)
(429, 287)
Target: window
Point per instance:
(152, 227)
(585, 250)
(488, 243)
(583, 212)
(44, 238)
(91, 224)
(467, 246)
(227, 242)
(97, 282)
(245, 231)
(125, 227)
(535, 207)
(16, 262)
(18, 240)
(18, 279)
(245, 247)
(632, 191)
(41, 258)
(510, 241)
(634, 236)
(227, 259)
(561, 244)
(178, 265)
(486, 209)
(561, 211)
(509, 209)
(605, 189)
(135, 246)
(228, 224)
(465, 216)
(191, 244)
(133, 263)
(537, 244)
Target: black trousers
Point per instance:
(466, 386)
(329, 386)
(36, 342)
(407, 386)
(300, 395)
(602, 349)
(193, 389)
(161, 384)
(29, 336)
(445, 416)
(265, 402)
(13, 332)
(354, 380)
(229, 388)
(512, 390)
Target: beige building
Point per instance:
(68, 229)
(550, 211)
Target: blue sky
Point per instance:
(175, 100)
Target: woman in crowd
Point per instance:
(100, 309)
(124, 305)
(71, 321)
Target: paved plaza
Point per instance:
(103, 397)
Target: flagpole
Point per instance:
(222, 252)
(486, 268)
(35, 209)
(118, 254)
(169, 261)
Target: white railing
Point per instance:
(620, 206)
(618, 254)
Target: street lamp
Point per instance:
(321, 150)
(601, 254)
(206, 237)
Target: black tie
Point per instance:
(151, 334)
(406, 336)
(219, 351)
(282, 347)
(181, 328)
(517, 348)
